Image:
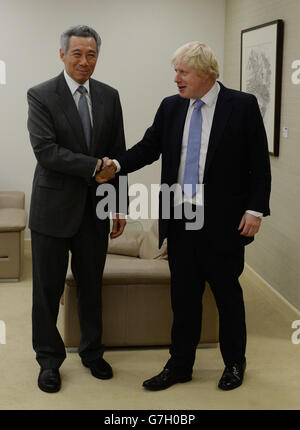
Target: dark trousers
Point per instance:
(50, 257)
(194, 259)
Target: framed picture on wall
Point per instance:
(261, 74)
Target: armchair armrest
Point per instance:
(12, 199)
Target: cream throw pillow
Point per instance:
(127, 244)
(149, 246)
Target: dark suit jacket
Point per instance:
(64, 165)
(237, 171)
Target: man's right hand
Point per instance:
(107, 173)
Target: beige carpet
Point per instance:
(272, 379)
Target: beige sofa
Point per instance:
(136, 296)
(12, 225)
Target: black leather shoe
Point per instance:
(99, 368)
(232, 376)
(164, 380)
(49, 380)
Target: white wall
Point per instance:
(138, 40)
(275, 253)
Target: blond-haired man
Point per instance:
(212, 136)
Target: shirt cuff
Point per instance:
(117, 165)
(258, 214)
(95, 171)
(121, 215)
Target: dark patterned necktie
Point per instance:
(84, 113)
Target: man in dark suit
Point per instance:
(214, 147)
(73, 121)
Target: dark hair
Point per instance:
(80, 31)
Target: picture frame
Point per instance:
(261, 74)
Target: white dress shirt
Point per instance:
(73, 86)
(208, 110)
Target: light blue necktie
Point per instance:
(84, 113)
(191, 170)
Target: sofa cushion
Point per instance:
(12, 219)
(127, 270)
(123, 270)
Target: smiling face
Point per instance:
(189, 83)
(81, 58)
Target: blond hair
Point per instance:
(198, 56)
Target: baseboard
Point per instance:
(253, 278)
(27, 244)
(6, 281)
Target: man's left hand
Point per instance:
(249, 225)
(118, 226)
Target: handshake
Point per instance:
(107, 172)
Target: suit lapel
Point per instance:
(68, 105)
(98, 113)
(221, 116)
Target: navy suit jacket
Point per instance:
(65, 166)
(237, 171)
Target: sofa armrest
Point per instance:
(12, 199)
(12, 219)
